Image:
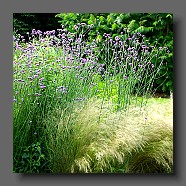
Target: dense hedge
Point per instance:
(155, 26)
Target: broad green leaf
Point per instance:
(114, 26)
(133, 25)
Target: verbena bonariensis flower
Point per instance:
(126, 54)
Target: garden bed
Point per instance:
(75, 114)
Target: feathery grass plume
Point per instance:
(113, 141)
(155, 154)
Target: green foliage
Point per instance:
(152, 25)
(32, 159)
(133, 25)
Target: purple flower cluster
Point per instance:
(60, 52)
(62, 89)
(42, 86)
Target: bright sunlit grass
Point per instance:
(138, 141)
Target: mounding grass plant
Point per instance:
(136, 142)
(74, 113)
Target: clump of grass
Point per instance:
(156, 154)
(135, 142)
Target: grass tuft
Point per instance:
(97, 140)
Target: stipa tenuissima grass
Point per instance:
(117, 143)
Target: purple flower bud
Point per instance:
(100, 69)
(76, 27)
(42, 86)
(117, 38)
